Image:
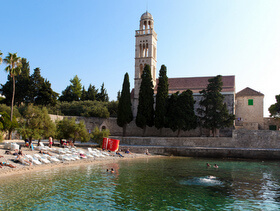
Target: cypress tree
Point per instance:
(171, 114)
(181, 115)
(124, 115)
(213, 111)
(161, 98)
(145, 110)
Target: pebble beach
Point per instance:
(20, 168)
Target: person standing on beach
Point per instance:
(50, 142)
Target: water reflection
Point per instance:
(148, 184)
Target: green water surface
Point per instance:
(148, 184)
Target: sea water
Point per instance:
(172, 183)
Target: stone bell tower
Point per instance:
(145, 53)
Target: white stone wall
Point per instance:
(249, 113)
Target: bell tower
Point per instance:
(145, 53)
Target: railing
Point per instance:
(145, 32)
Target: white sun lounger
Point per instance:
(36, 160)
(53, 159)
(31, 159)
(42, 159)
(64, 158)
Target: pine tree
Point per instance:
(102, 95)
(37, 82)
(73, 92)
(124, 115)
(161, 98)
(145, 110)
(213, 112)
(23, 84)
(46, 96)
(91, 93)
(84, 94)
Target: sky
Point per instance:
(96, 40)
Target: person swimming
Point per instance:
(208, 165)
(215, 166)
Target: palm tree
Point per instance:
(13, 68)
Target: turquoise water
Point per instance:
(148, 184)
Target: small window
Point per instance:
(272, 127)
(250, 102)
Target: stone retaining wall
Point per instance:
(259, 139)
(243, 144)
(133, 130)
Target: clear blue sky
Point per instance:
(95, 40)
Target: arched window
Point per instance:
(140, 52)
(141, 70)
(147, 50)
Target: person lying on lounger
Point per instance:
(119, 154)
(127, 151)
(23, 160)
(45, 152)
(7, 164)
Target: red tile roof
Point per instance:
(248, 92)
(197, 84)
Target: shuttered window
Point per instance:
(250, 102)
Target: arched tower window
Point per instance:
(140, 51)
(141, 70)
(147, 50)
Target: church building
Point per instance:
(146, 52)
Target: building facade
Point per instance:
(146, 53)
(249, 109)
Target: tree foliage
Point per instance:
(46, 96)
(68, 128)
(98, 135)
(7, 109)
(161, 98)
(36, 123)
(180, 112)
(6, 124)
(92, 93)
(22, 82)
(102, 95)
(213, 111)
(274, 109)
(30, 89)
(125, 115)
(81, 108)
(145, 110)
(73, 92)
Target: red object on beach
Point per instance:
(110, 144)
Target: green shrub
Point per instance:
(98, 135)
(1, 136)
